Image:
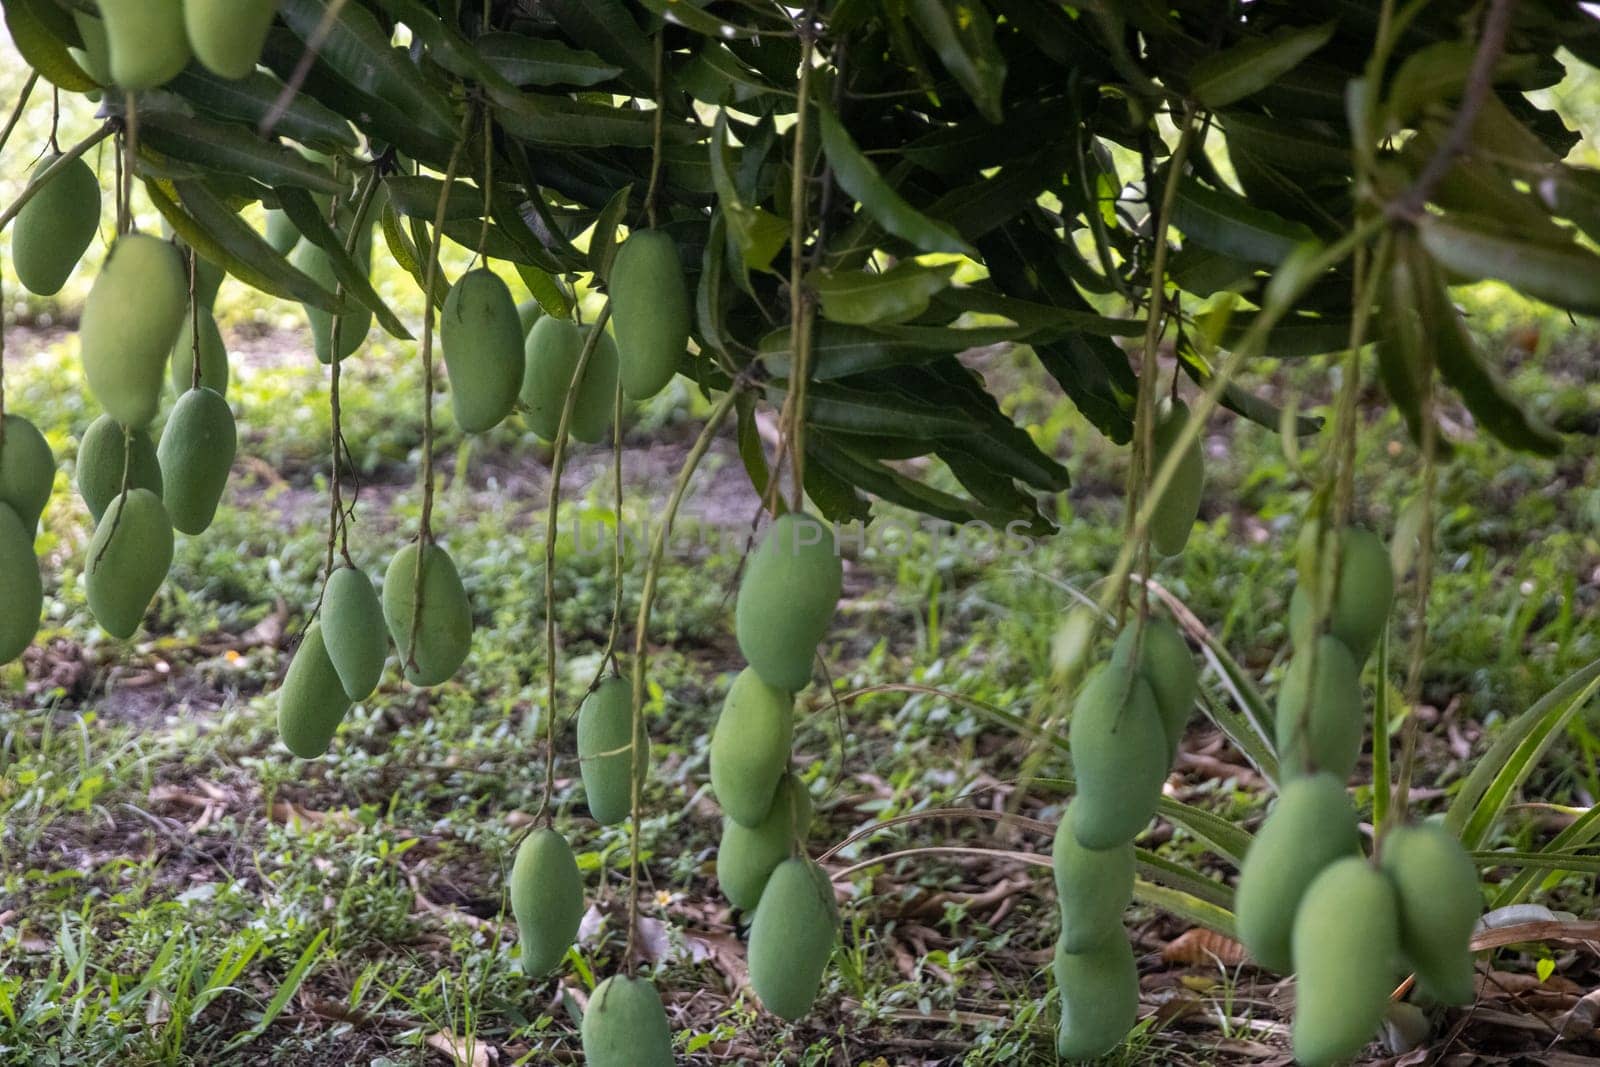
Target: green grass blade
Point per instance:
(1175, 875)
(1577, 862)
(1184, 906)
(1559, 850)
(280, 999)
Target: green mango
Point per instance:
(1320, 718)
(1359, 610)
(95, 56)
(1166, 663)
(103, 453)
(1346, 939)
(528, 313)
(1312, 825)
(27, 470)
(353, 629)
(1436, 888)
(787, 599)
(55, 227)
(281, 233)
(747, 855)
(21, 589)
(649, 311)
(750, 747)
(311, 702)
(214, 371)
(208, 278)
(1093, 887)
(129, 557)
(605, 741)
(353, 326)
(1179, 506)
(1119, 754)
(480, 337)
(1099, 998)
(145, 40)
(553, 348)
(130, 322)
(792, 936)
(444, 631)
(196, 454)
(625, 1025)
(227, 35)
(547, 899)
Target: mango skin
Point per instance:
(128, 560)
(1360, 608)
(27, 470)
(792, 937)
(444, 632)
(21, 588)
(1436, 887)
(747, 856)
(649, 311)
(227, 35)
(547, 900)
(605, 726)
(480, 337)
(311, 702)
(281, 233)
(214, 371)
(552, 351)
(130, 322)
(1099, 998)
(95, 56)
(1119, 756)
(1312, 825)
(626, 1026)
(208, 279)
(528, 313)
(750, 747)
(1179, 506)
(101, 455)
(196, 454)
(787, 599)
(353, 326)
(353, 630)
(1093, 888)
(1346, 936)
(1327, 737)
(145, 40)
(1166, 663)
(54, 228)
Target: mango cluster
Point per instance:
(140, 44)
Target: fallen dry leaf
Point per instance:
(1200, 946)
(463, 1051)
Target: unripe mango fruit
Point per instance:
(353, 630)
(750, 747)
(55, 227)
(311, 702)
(747, 856)
(650, 312)
(130, 321)
(625, 1025)
(1320, 713)
(208, 279)
(1119, 756)
(787, 599)
(1093, 888)
(1164, 662)
(27, 470)
(605, 756)
(480, 337)
(553, 349)
(1178, 507)
(95, 56)
(214, 372)
(1312, 825)
(145, 40)
(129, 557)
(101, 456)
(21, 589)
(1099, 998)
(792, 937)
(1346, 936)
(1436, 887)
(528, 313)
(354, 325)
(1359, 609)
(444, 631)
(281, 233)
(196, 454)
(547, 899)
(227, 35)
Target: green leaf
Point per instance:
(525, 61)
(417, 197)
(251, 98)
(168, 124)
(607, 28)
(603, 241)
(1189, 908)
(550, 294)
(1560, 853)
(710, 298)
(405, 253)
(836, 407)
(836, 498)
(1239, 400)
(1299, 147)
(1035, 317)
(758, 234)
(839, 350)
(1294, 337)
(41, 48)
(962, 34)
(691, 15)
(751, 452)
(891, 485)
(1437, 73)
(557, 120)
(285, 992)
(303, 212)
(1173, 875)
(865, 298)
(1247, 68)
(1566, 275)
(1226, 223)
